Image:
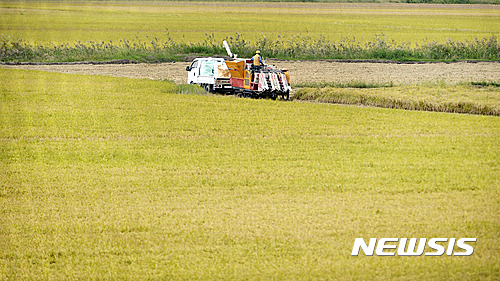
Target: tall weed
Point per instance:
(283, 47)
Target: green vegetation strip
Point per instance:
(473, 98)
(116, 178)
(487, 49)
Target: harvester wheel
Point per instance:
(286, 95)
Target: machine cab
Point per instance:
(203, 70)
(210, 73)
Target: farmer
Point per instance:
(257, 59)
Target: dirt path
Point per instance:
(306, 71)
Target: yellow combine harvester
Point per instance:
(239, 77)
(249, 80)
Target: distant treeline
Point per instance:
(284, 47)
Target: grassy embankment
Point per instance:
(166, 31)
(472, 98)
(120, 178)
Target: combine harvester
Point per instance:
(239, 77)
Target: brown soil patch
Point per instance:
(322, 71)
(306, 71)
(171, 71)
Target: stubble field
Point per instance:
(306, 71)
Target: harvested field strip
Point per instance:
(307, 73)
(350, 84)
(474, 98)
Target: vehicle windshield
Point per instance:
(207, 68)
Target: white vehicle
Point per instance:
(210, 73)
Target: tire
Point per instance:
(208, 88)
(286, 95)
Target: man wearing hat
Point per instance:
(257, 59)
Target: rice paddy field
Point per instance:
(142, 177)
(69, 22)
(120, 178)
(167, 31)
